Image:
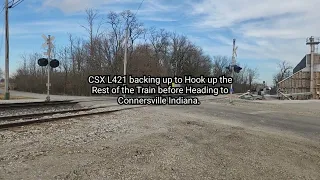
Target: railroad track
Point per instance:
(36, 104)
(27, 119)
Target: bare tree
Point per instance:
(252, 75)
(178, 52)
(92, 16)
(135, 28)
(65, 64)
(284, 72)
(219, 65)
(71, 40)
(112, 45)
(160, 42)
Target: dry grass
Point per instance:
(14, 97)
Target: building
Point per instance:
(299, 81)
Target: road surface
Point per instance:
(302, 119)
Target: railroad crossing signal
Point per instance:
(45, 61)
(48, 41)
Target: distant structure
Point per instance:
(306, 75)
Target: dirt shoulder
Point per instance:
(153, 143)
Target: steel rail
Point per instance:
(36, 104)
(36, 115)
(34, 121)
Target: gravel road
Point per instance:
(156, 142)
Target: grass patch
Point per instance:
(14, 97)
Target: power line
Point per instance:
(136, 11)
(3, 25)
(139, 7)
(4, 6)
(13, 5)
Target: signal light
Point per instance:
(237, 69)
(43, 62)
(54, 63)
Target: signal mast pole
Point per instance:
(49, 68)
(234, 48)
(125, 58)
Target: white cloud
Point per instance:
(74, 6)
(155, 5)
(45, 26)
(68, 6)
(221, 39)
(264, 29)
(158, 19)
(227, 12)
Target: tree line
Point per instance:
(151, 51)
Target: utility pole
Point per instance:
(311, 41)
(125, 53)
(7, 94)
(125, 59)
(234, 48)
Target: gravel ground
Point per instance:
(29, 110)
(153, 143)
